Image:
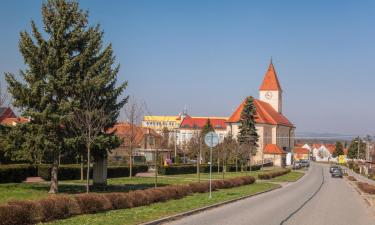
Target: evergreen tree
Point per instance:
(63, 71)
(248, 136)
(353, 149)
(207, 128)
(339, 149)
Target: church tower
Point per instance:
(270, 91)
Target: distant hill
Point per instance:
(315, 137)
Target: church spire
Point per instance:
(270, 81)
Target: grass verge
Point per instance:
(163, 209)
(289, 177)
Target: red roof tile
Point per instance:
(123, 130)
(14, 121)
(270, 81)
(198, 122)
(300, 151)
(265, 114)
(273, 149)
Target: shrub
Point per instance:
(119, 200)
(16, 173)
(351, 178)
(58, 207)
(272, 174)
(30, 209)
(93, 203)
(73, 171)
(13, 215)
(367, 188)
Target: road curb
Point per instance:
(195, 211)
(363, 195)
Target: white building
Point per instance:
(276, 132)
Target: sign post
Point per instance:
(211, 139)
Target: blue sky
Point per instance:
(209, 55)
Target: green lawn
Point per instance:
(289, 177)
(159, 210)
(23, 191)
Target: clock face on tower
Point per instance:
(268, 95)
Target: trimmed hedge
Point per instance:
(60, 207)
(186, 169)
(272, 174)
(19, 172)
(367, 188)
(204, 168)
(351, 178)
(73, 172)
(16, 173)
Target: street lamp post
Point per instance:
(212, 140)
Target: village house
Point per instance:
(276, 132)
(146, 143)
(191, 126)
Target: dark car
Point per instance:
(337, 172)
(333, 167)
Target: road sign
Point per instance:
(211, 139)
(341, 159)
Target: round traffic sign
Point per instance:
(211, 139)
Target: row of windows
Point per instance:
(160, 124)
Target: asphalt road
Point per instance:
(316, 199)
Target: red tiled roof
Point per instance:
(14, 121)
(270, 81)
(273, 149)
(331, 147)
(123, 130)
(265, 114)
(198, 122)
(316, 145)
(300, 151)
(6, 112)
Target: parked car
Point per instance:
(297, 166)
(304, 163)
(337, 172)
(333, 167)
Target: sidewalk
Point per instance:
(359, 177)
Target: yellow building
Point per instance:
(159, 122)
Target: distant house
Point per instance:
(300, 153)
(191, 126)
(276, 154)
(9, 118)
(146, 142)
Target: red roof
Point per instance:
(123, 130)
(270, 81)
(265, 114)
(301, 151)
(273, 149)
(331, 147)
(14, 121)
(198, 122)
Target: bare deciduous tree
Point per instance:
(133, 112)
(89, 121)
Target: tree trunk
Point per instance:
(82, 168)
(218, 165)
(88, 169)
(223, 169)
(100, 171)
(54, 182)
(250, 156)
(131, 162)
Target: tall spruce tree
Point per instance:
(63, 69)
(339, 149)
(353, 149)
(248, 136)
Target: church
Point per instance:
(276, 132)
